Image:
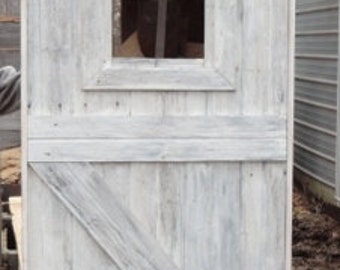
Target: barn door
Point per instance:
(156, 163)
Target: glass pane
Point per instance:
(158, 28)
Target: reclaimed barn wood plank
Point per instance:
(263, 227)
(212, 223)
(157, 150)
(156, 127)
(88, 198)
(244, 40)
(183, 195)
(157, 78)
(60, 239)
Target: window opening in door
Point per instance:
(158, 28)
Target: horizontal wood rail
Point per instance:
(106, 127)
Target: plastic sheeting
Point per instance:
(9, 90)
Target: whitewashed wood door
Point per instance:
(153, 176)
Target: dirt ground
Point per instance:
(316, 236)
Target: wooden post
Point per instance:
(161, 28)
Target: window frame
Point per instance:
(215, 72)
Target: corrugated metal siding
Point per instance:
(316, 88)
(10, 33)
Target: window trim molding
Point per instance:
(213, 73)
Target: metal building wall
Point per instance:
(316, 89)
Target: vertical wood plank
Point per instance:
(196, 104)
(175, 104)
(290, 135)
(256, 54)
(99, 43)
(161, 28)
(211, 205)
(47, 230)
(275, 100)
(200, 243)
(146, 103)
(170, 222)
(117, 104)
(24, 134)
(263, 205)
(222, 104)
(144, 194)
(228, 177)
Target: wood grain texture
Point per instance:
(157, 150)
(157, 78)
(24, 131)
(156, 127)
(202, 215)
(218, 74)
(290, 136)
(210, 209)
(261, 223)
(212, 224)
(60, 239)
(86, 196)
(253, 87)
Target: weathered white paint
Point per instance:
(160, 75)
(290, 137)
(86, 196)
(61, 237)
(204, 214)
(221, 26)
(24, 129)
(156, 127)
(144, 150)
